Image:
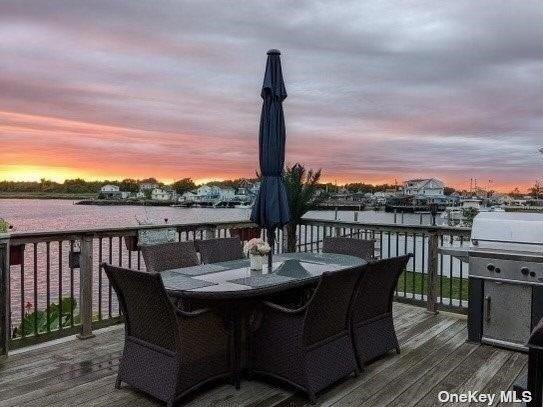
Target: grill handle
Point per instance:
(487, 308)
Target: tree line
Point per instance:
(81, 186)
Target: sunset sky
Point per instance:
(378, 90)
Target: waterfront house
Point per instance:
(110, 192)
(227, 194)
(159, 194)
(207, 194)
(255, 188)
(424, 187)
(148, 186)
(188, 196)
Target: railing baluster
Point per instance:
(48, 286)
(35, 247)
(72, 296)
(431, 297)
(423, 252)
(381, 244)
(100, 271)
(414, 265)
(450, 276)
(460, 293)
(5, 298)
(60, 288)
(405, 271)
(441, 273)
(110, 290)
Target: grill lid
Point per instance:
(508, 231)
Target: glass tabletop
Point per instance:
(236, 276)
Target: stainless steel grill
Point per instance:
(506, 277)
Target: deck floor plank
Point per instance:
(435, 356)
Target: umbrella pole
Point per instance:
(271, 238)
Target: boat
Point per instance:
(244, 206)
(463, 215)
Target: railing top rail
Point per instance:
(389, 226)
(124, 231)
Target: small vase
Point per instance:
(257, 262)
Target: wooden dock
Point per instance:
(435, 356)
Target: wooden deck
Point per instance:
(434, 357)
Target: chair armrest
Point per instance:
(189, 314)
(284, 310)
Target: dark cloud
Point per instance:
(377, 89)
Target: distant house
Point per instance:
(255, 188)
(380, 197)
(207, 193)
(110, 192)
(148, 186)
(247, 191)
(159, 194)
(188, 196)
(424, 187)
(227, 194)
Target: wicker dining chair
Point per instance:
(167, 352)
(217, 250)
(372, 325)
(309, 347)
(365, 249)
(167, 256)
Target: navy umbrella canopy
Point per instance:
(271, 209)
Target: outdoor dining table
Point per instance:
(236, 287)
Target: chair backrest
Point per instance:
(167, 256)
(364, 249)
(327, 314)
(217, 250)
(375, 290)
(148, 312)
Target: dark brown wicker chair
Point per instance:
(309, 347)
(167, 256)
(371, 316)
(168, 352)
(217, 250)
(364, 249)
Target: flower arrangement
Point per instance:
(256, 247)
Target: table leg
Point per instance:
(237, 320)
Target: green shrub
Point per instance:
(57, 315)
(4, 226)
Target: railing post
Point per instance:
(209, 232)
(432, 282)
(286, 238)
(85, 287)
(4, 298)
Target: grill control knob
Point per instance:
(525, 270)
(490, 267)
(497, 270)
(532, 273)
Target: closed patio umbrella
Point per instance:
(271, 209)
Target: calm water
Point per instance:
(45, 215)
